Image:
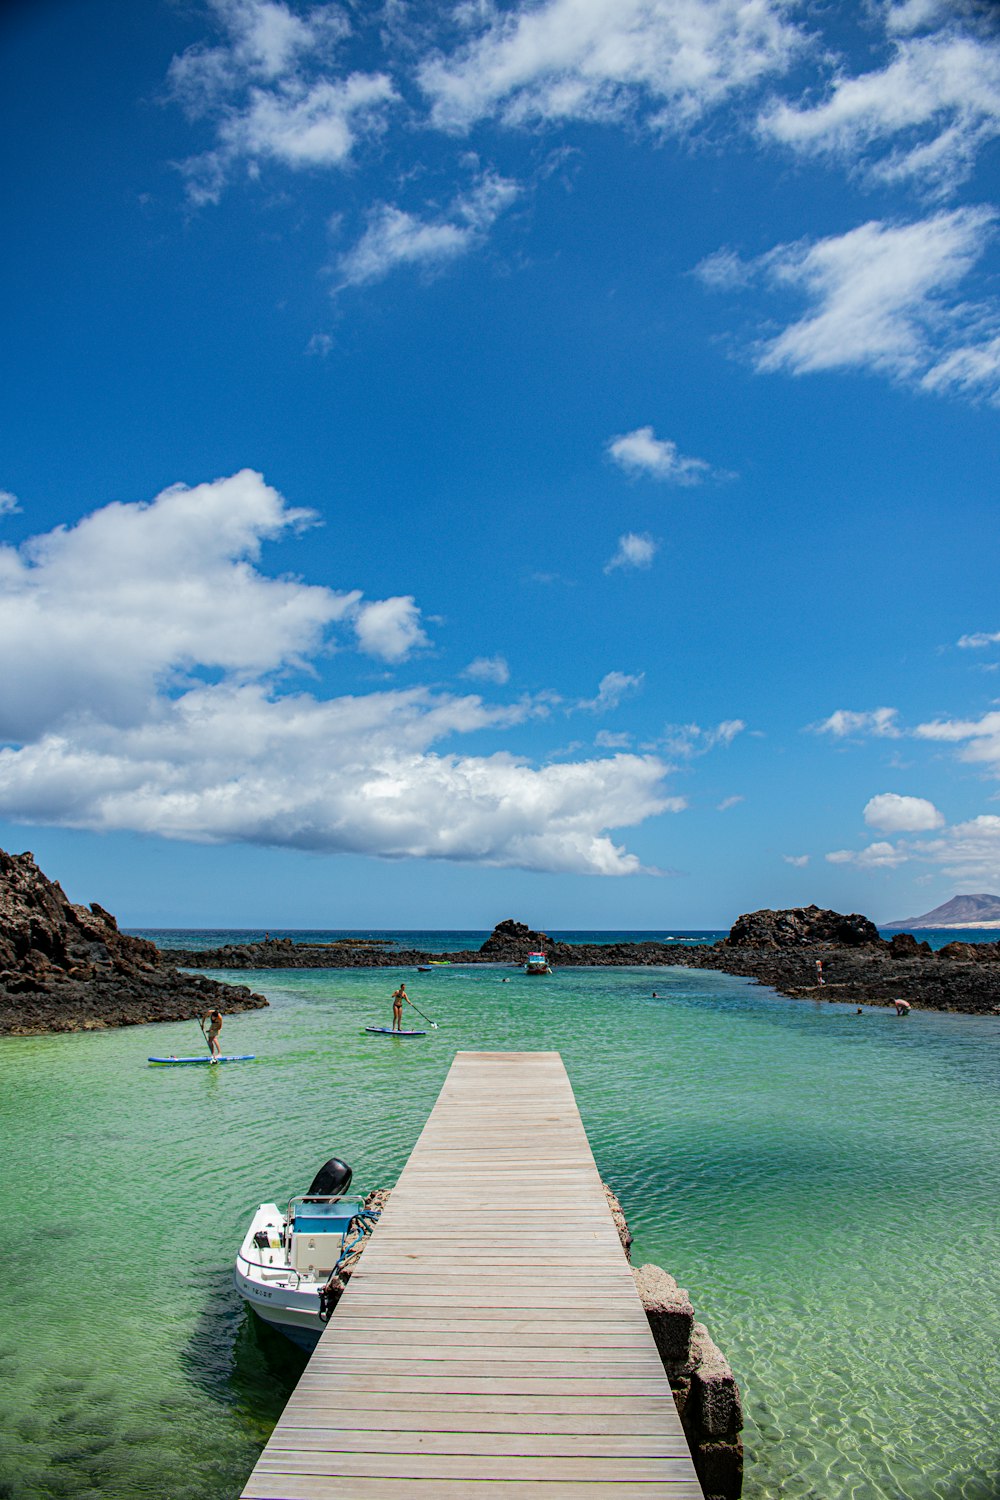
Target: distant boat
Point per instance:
(423, 968)
(537, 964)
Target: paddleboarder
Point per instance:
(214, 1019)
(397, 1007)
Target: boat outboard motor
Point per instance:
(333, 1178)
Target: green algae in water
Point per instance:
(824, 1185)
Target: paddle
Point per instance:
(432, 1024)
(201, 1024)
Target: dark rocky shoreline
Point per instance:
(779, 949)
(68, 968)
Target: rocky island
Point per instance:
(777, 948)
(68, 968)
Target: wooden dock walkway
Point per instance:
(491, 1342)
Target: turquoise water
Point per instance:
(824, 1184)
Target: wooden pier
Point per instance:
(491, 1342)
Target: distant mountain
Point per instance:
(960, 911)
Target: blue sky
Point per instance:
(474, 460)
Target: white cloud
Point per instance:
(728, 802)
(981, 737)
(488, 669)
(606, 739)
(891, 813)
(876, 857)
(798, 860)
(8, 504)
(601, 60)
(350, 775)
(110, 722)
(641, 452)
(880, 722)
(612, 688)
(879, 299)
(940, 94)
(273, 93)
(968, 851)
(389, 628)
(980, 638)
(396, 238)
(635, 550)
(178, 589)
(690, 739)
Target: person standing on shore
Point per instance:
(397, 1007)
(819, 972)
(214, 1019)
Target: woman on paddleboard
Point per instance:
(398, 997)
(214, 1019)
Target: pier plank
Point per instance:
(490, 1344)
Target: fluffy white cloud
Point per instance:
(798, 860)
(273, 92)
(876, 857)
(980, 737)
(488, 669)
(891, 813)
(396, 238)
(389, 628)
(8, 503)
(350, 775)
(845, 722)
(635, 550)
(94, 617)
(879, 297)
(940, 94)
(600, 60)
(968, 851)
(109, 629)
(641, 452)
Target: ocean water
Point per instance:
(466, 940)
(824, 1184)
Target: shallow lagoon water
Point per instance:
(824, 1184)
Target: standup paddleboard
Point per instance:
(177, 1061)
(388, 1031)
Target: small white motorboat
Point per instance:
(291, 1266)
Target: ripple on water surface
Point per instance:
(824, 1184)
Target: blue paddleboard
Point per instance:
(177, 1061)
(388, 1031)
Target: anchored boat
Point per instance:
(291, 1266)
(537, 964)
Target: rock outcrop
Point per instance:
(68, 968)
(511, 942)
(800, 925)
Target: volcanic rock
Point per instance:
(511, 942)
(800, 925)
(67, 968)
